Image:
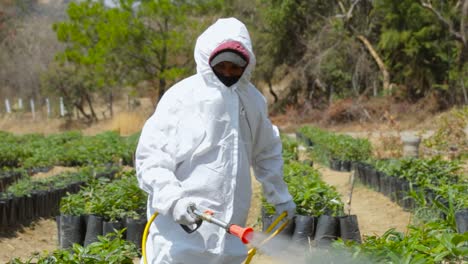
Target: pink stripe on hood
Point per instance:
(231, 45)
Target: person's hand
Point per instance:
(181, 214)
(289, 207)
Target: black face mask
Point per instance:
(228, 81)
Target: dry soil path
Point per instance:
(375, 212)
(40, 236)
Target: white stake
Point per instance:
(20, 103)
(48, 107)
(62, 107)
(33, 108)
(7, 105)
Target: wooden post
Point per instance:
(62, 107)
(33, 108)
(48, 107)
(7, 105)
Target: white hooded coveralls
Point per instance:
(199, 146)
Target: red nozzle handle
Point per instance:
(244, 233)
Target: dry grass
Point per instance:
(127, 123)
(124, 121)
(54, 171)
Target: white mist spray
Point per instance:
(284, 250)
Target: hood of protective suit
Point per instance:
(224, 30)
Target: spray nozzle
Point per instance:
(244, 233)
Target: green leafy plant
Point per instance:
(113, 200)
(110, 249)
(312, 196)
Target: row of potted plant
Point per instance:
(320, 217)
(337, 150)
(429, 187)
(10, 176)
(102, 207)
(66, 149)
(29, 198)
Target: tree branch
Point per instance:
(463, 26)
(444, 21)
(378, 60)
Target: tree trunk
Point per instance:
(378, 60)
(90, 104)
(82, 111)
(78, 104)
(162, 88)
(111, 103)
(465, 95)
(270, 89)
(330, 95)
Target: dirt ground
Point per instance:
(375, 212)
(40, 236)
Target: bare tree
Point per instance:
(457, 32)
(347, 16)
(27, 52)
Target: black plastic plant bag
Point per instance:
(71, 230)
(110, 227)
(461, 218)
(345, 165)
(134, 232)
(304, 229)
(326, 231)
(93, 229)
(349, 228)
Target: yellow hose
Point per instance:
(145, 236)
(251, 252)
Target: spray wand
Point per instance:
(244, 233)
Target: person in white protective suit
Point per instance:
(198, 146)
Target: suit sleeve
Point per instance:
(268, 160)
(161, 147)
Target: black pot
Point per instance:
(326, 231)
(372, 178)
(461, 218)
(401, 191)
(134, 232)
(109, 227)
(349, 228)
(40, 203)
(345, 165)
(335, 164)
(21, 210)
(304, 229)
(71, 230)
(3, 213)
(28, 208)
(392, 187)
(12, 211)
(359, 171)
(430, 196)
(368, 170)
(383, 183)
(93, 229)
